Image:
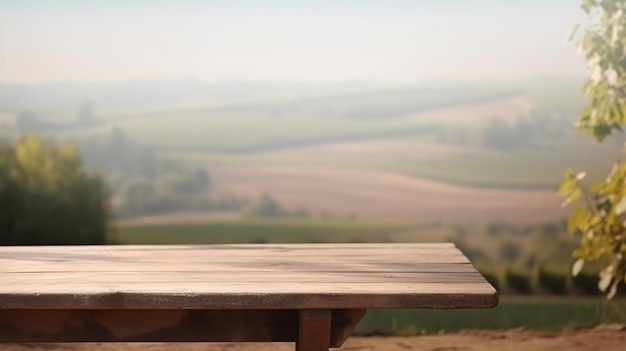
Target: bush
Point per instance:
(518, 282)
(494, 229)
(586, 283)
(549, 229)
(551, 282)
(47, 197)
(509, 251)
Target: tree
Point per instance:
(266, 206)
(47, 197)
(600, 213)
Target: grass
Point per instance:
(537, 313)
(540, 167)
(262, 231)
(252, 125)
(246, 133)
(525, 169)
(229, 131)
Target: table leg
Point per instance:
(313, 330)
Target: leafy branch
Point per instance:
(600, 215)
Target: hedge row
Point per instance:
(542, 281)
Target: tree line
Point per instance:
(65, 193)
(142, 180)
(48, 197)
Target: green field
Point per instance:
(263, 230)
(236, 134)
(539, 167)
(529, 313)
(527, 169)
(232, 123)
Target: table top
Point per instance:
(251, 276)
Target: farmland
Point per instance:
(449, 152)
(383, 195)
(527, 313)
(263, 230)
(475, 164)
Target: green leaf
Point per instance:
(596, 187)
(572, 196)
(601, 220)
(569, 181)
(576, 218)
(601, 131)
(594, 220)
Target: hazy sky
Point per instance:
(321, 40)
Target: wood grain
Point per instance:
(314, 330)
(264, 276)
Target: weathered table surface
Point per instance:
(311, 294)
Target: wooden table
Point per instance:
(310, 294)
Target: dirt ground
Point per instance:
(605, 339)
(385, 196)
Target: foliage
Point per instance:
(552, 282)
(586, 283)
(600, 215)
(526, 312)
(509, 251)
(270, 230)
(603, 45)
(599, 219)
(266, 206)
(525, 131)
(518, 282)
(47, 196)
(142, 180)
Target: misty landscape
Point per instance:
(295, 150)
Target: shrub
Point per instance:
(586, 283)
(266, 206)
(509, 251)
(552, 282)
(494, 229)
(518, 282)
